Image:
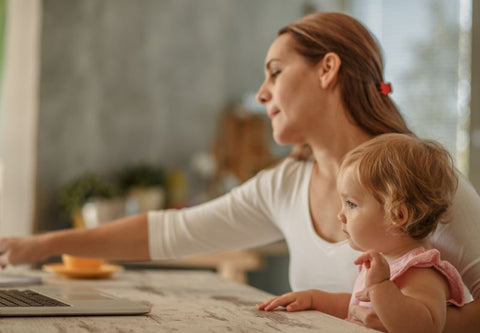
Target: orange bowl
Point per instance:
(73, 262)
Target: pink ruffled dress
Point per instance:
(418, 257)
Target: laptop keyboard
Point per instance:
(26, 298)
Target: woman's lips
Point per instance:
(273, 113)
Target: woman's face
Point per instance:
(291, 93)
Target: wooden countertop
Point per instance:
(183, 301)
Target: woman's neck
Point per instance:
(330, 144)
(329, 152)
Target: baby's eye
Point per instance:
(350, 204)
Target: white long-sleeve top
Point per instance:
(274, 205)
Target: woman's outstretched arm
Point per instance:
(241, 218)
(123, 239)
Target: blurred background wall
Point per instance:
(127, 81)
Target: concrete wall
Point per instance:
(125, 81)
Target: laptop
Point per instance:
(64, 301)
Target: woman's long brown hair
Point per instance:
(360, 73)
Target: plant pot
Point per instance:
(146, 198)
(99, 211)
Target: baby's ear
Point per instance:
(400, 215)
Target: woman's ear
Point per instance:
(328, 69)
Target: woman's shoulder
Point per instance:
(458, 240)
(288, 170)
(282, 177)
(466, 203)
(291, 165)
(466, 193)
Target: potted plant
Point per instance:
(144, 186)
(90, 200)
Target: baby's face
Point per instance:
(362, 216)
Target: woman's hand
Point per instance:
(26, 250)
(295, 301)
(123, 239)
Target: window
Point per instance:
(426, 47)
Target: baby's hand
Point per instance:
(295, 301)
(377, 266)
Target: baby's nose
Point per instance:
(341, 217)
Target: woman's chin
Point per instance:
(279, 140)
(283, 140)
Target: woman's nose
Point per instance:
(263, 95)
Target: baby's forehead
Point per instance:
(348, 177)
(351, 178)
(348, 171)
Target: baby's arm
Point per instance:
(417, 304)
(335, 304)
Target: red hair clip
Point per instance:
(385, 88)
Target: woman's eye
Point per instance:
(275, 73)
(350, 204)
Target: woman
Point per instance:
(324, 93)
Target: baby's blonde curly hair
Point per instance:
(401, 169)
